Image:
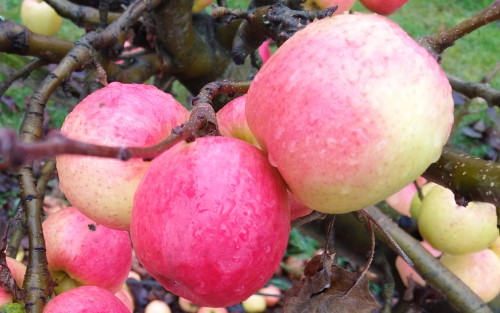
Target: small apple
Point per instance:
(120, 115)
(480, 271)
(455, 229)
(40, 18)
(265, 51)
(406, 271)
(86, 299)
(294, 266)
(416, 202)
(401, 200)
(255, 304)
(272, 295)
(297, 209)
(341, 131)
(126, 297)
(384, 7)
(316, 5)
(233, 123)
(188, 306)
(200, 5)
(212, 310)
(157, 306)
(495, 246)
(18, 270)
(234, 211)
(81, 252)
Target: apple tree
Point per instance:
(347, 111)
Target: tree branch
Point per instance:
(473, 90)
(23, 72)
(80, 15)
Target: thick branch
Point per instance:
(82, 16)
(437, 43)
(457, 293)
(472, 178)
(473, 90)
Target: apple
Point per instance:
(384, 7)
(495, 246)
(316, 5)
(86, 299)
(401, 200)
(119, 115)
(297, 209)
(81, 252)
(200, 5)
(40, 18)
(406, 271)
(126, 297)
(343, 105)
(157, 306)
(255, 304)
(265, 50)
(272, 295)
(416, 202)
(455, 229)
(480, 271)
(212, 310)
(295, 266)
(204, 214)
(18, 270)
(188, 306)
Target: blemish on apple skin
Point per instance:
(102, 104)
(92, 227)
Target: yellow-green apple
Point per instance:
(40, 18)
(126, 297)
(316, 5)
(81, 252)
(199, 5)
(416, 202)
(272, 295)
(453, 228)
(480, 271)
(205, 309)
(188, 306)
(343, 105)
(157, 306)
(406, 272)
(234, 211)
(495, 246)
(18, 270)
(254, 304)
(384, 7)
(119, 115)
(86, 299)
(401, 200)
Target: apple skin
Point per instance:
(265, 50)
(126, 297)
(455, 229)
(401, 200)
(384, 7)
(205, 309)
(80, 252)
(255, 304)
(406, 271)
(40, 18)
(297, 209)
(120, 115)
(480, 271)
(188, 306)
(18, 270)
(342, 129)
(495, 246)
(157, 306)
(86, 299)
(234, 216)
(316, 5)
(416, 202)
(271, 290)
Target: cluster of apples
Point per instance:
(465, 238)
(333, 116)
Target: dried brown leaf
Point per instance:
(329, 290)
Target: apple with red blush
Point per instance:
(316, 5)
(17, 270)
(384, 7)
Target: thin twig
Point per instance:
(21, 73)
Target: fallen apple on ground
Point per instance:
(341, 131)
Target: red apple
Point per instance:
(233, 123)
(384, 7)
(297, 209)
(40, 18)
(265, 50)
(120, 115)
(212, 310)
(316, 5)
(81, 252)
(157, 306)
(342, 129)
(204, 214)
(126, 297)
(18, 270)
(86, 299)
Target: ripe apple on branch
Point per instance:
(337, 115)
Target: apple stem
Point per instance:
(456, 292)
(436, 44)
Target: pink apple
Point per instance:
(272, 295)
(342, 129)
(265, 50)
(204, 214)
(297, 209)
(40, 18)
(316, 5)
(406, 271)
(401, 200)
(384, 7)
(86, 299)
(119, 115)
(81, 252)
(126, 297)
(18, 270)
